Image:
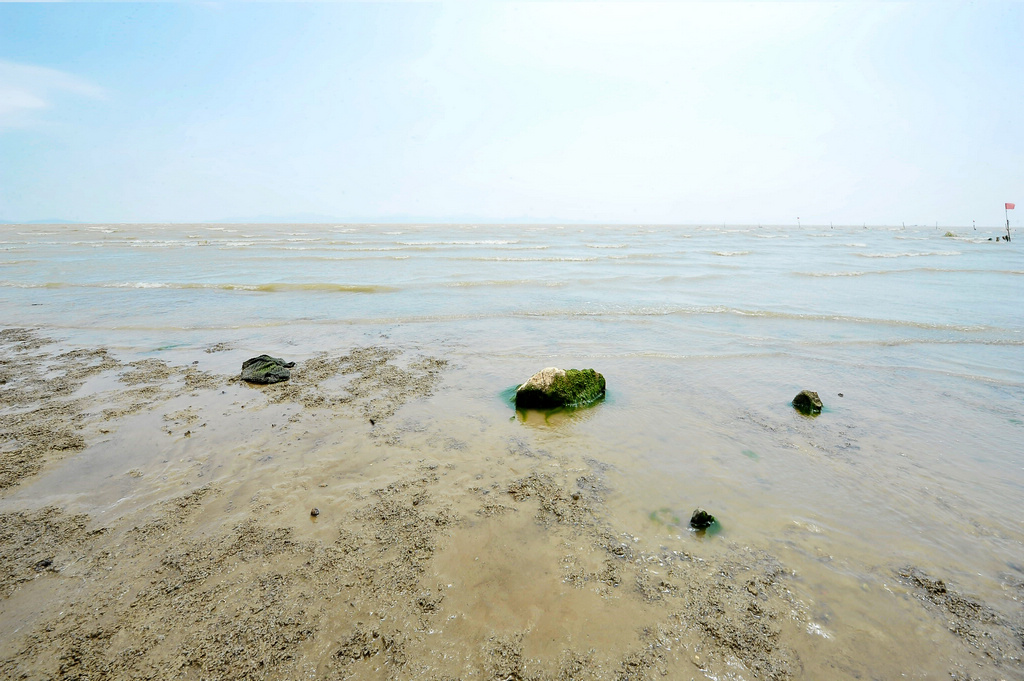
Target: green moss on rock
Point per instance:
(701, 519)
(807, 402)
(552, 388)
(266, 369)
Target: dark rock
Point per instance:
(266, 369)
(315, 512)
(807, 401)
(701, 519)
(552, 388)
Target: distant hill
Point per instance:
(297, 218)
(315, 218)
(312, 218)
(53, 221)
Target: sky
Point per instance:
(628, 112)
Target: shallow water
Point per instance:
(704, 335)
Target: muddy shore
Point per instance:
(199, 558)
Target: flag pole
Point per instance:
(1006, 212)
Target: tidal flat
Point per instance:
(156, 512)
(156, 524)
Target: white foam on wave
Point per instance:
(912, 254)
(478, 242)
(835, 274)
(551, 259)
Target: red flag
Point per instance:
(1010, 206)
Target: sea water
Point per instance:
(913, 339)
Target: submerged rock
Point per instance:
(551, 388)
(701, 519)
(808, 402)
(266, 369)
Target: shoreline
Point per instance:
(199, 558)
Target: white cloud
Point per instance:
(25, 89)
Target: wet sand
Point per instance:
(156, 524)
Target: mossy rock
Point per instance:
(701, 519)
(266, 369)
(552, 388)
(807, 402)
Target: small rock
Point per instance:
(701, 519)
(840, 394)
(315, 512)
(266, 369)
(807, 402)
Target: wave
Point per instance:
(934, 270)
(480, 242)
(647, 257)
(318, 287)
(687, 311)
(666, 311)
(272, 250)
(913, 254)
(618, 281)
(506, 283)
(797, 316)
(730, 253)
(512, 259)
(972, 335)
(676, 278)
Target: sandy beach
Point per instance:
(201, 559)
(693, 212)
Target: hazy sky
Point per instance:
(621, 112)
